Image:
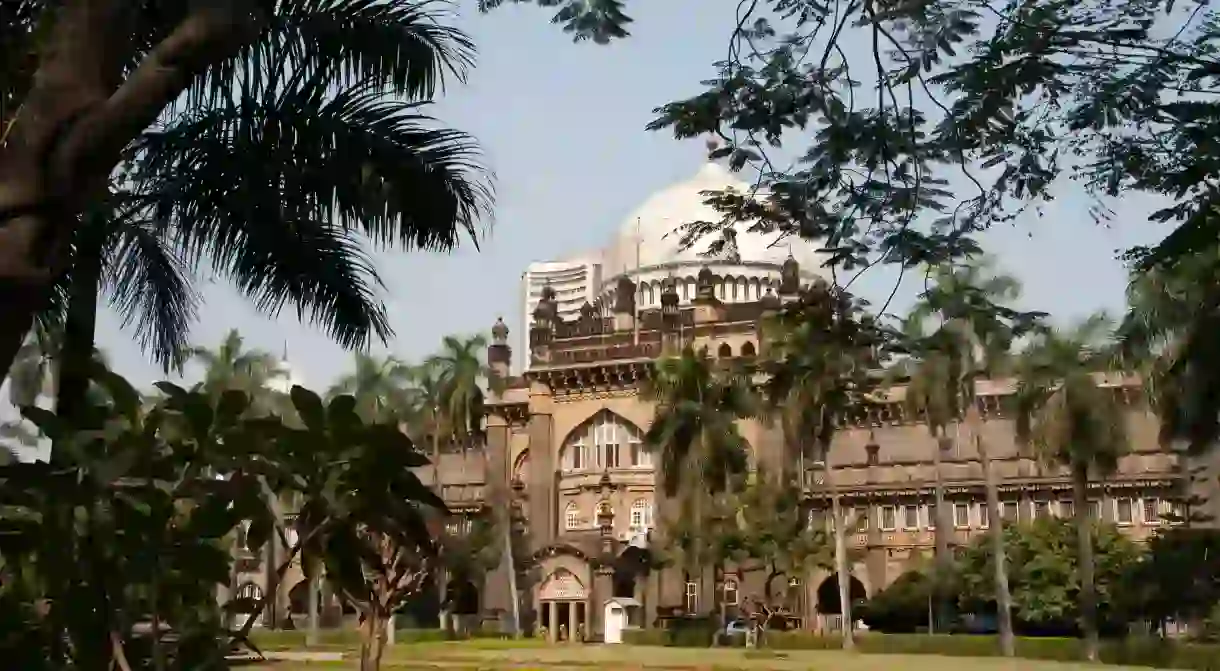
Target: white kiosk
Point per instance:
(620, 613)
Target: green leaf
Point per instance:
(233, 403)
(126, 398)
(309, 406)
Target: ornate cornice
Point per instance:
(610, 378)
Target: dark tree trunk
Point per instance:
(1084, 549)
(943, 522)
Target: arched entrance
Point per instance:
(828, 594)
(564, 601)
(632, 564)
(829, 607)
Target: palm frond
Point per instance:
(290, 230)
(150, 287)
(401, 45)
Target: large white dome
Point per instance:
(650, 235)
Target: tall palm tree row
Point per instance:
(818, 356)
(973, 330)
(1075, 422)
(694, 434)
(279, 166)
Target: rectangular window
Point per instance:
(637, 454)
(577, 460)
(1152, 511)
(984, 522)
(961, 515)
(692, 597)
(929, 516)
(910, 518)
(1095, 510)
(888, 518)
(730, 591)
(1067, 509)
(1022, 512)
(1008, 511)
(637, 517)
(1042, 510)
(610, 455)
(1123, 512)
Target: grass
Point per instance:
(493, 655)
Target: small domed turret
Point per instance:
(499, 331)
(790, 277)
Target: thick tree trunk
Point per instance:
(372, 639)
(315, 587)
(1084, 549)
(944, 527)
(995, 523)
(83, 108)
(75, 356)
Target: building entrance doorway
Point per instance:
(565, 620)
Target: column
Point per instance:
(497, 594)
(552, 633)
(542, 495)
(571, 621)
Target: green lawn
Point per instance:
(516, 656)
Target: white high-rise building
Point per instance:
(575, 280)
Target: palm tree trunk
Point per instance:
(80, 325)
(842, 567)
(940, 513)
(1084, 548)
(995, 522)
(514, 597)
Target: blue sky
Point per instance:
(562, 126)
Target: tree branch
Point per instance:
(207, 36)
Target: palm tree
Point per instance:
(973, 333)
(232, 367)
(279, 165)
(381, 387)
(694, 432)
(1167, 334)
(1072, 421)
(461, 371)
(425, 418)
(818, 354)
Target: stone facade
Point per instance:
(564, 451)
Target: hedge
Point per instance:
(350, 636)
(1154, 652)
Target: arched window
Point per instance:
(748, 349)
(571, 516)
(605, 441)
(575, 455)
(725, 351)
(249, 591)
(754, 289)
(641, 514)
(730, 591)
(733, 288)
(743, 287)
(521, 466)
(692, 289)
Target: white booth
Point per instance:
(620, 613)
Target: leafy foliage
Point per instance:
(695, 428)
(1044, 577)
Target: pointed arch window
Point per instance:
(605, 441)
(571, 516)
